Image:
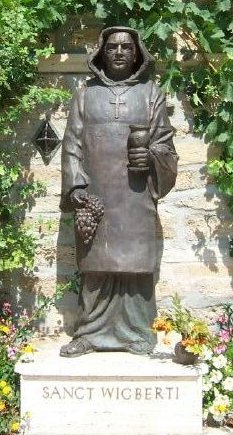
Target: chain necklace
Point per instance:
(117, 102)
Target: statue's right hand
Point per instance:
(79, 198)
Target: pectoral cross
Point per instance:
(117, 103)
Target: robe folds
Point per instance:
(96, 156)
(117, 299)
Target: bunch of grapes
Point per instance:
(88, 218)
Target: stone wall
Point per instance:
(196, 224)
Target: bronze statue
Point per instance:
(117, 160)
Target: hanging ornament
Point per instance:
(47, 139)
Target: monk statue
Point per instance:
(118, 159)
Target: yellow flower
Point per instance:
(2, 406)
(6, 390)
(221, 408)
(5, 329)
(189, 342)
(15, 426)
(162, 324)
(3, 384)
(28, 349)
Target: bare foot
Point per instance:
(140, 348)
(77, 347)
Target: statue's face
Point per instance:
(119, 55)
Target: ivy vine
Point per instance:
(20, 29)
(200, 30)
(193, 39)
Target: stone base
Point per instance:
(110, 393)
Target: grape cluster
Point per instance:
(88, 217)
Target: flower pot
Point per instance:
(182, 356)
(229, 419)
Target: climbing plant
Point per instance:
(178, 32)
(193, 40)
(20, 48)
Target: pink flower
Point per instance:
(221, 348)
(13, 329)
(25, 313)
(222, 319)
(11, 351)
(6, 309)
(24, 317)
(224, 336)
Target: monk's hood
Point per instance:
(143, 66)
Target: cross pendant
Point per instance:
(117, 103)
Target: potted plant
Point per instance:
(194, 332)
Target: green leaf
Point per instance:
(212, 129)
(162, 30)
(100, 11)
(146, 4)
(223, 137)
(215, 167)
(229, 167)
(196, 99)
(230, 27)
(223, 5)
(41, 4)
(192, 7)
(228, 92)
(217, 34)
(172, 79)
(192, 26)
(176, 6)
(229, 51)
(129, 3)
(204, 42)
(225, 115)
(230, 149)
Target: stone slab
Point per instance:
(110, 393)
(64, 63)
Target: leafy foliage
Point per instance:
(16, 332)
(194, 332)
(20, 27)
(14, 336)
(177, 33)
(218, 382)
(17, 244)
(201, 30)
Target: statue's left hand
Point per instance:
(160, 149)
(79, 198)
(138, 157)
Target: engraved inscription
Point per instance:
(110, 393)
(79, 393)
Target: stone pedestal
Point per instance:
(110, 393)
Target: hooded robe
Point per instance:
(116, 302)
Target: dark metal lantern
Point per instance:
(47, 140)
